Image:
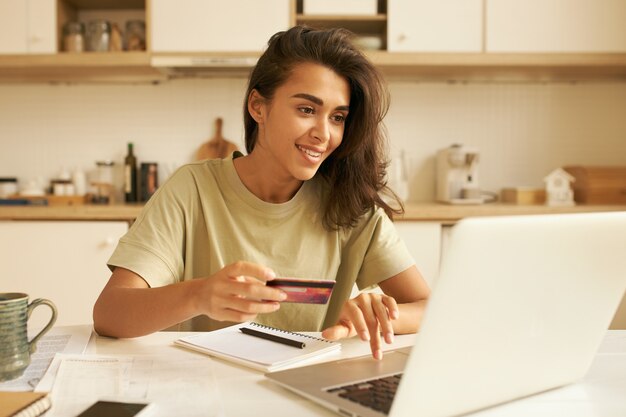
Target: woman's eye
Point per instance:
(339, 118)
(306, 110)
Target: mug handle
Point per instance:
(53, 317)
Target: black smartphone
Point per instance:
(115, 408)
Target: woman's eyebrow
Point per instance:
(317, 100)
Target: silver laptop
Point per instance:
(520, 306)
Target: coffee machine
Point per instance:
(457, 175)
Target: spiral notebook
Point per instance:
(23, 404)
(266, 349)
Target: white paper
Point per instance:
(67, 339)
(174, 387)
(256, 352)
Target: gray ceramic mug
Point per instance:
(15, 348)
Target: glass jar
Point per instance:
(135, 35)
(8, 186)
(105, 172)
(98, 35)
(104, 183)
(74, 37)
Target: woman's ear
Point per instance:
(256, 106)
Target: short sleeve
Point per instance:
(386, 254)
(153, 247)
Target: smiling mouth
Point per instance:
(309, 152)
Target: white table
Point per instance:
(602, 393)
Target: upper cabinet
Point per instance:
(435, 26)
(28, 26)
(443, 39)
(216, 25)
(545, 26)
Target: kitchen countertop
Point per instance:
(450, 213)
(444, 213)
(122, 212)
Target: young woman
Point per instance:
(305, 202)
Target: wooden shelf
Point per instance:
(83, 67)
(146, 67)
(502, 66)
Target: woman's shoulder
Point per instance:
(200, 170)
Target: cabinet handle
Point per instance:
(401, 37)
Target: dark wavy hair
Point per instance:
(356, 170)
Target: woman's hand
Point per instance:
(238, 293)
(367, 315)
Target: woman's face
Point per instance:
(304, 121)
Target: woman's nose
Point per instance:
(321, 130)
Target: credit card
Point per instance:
(308, 291)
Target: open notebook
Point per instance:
(258, 351)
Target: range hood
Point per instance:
(204, 65)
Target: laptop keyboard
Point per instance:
(375, 393)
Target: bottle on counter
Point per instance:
(148, 180)
(130, 176)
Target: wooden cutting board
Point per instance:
(217, 147)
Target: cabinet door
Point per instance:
(423, 239)
(28, 26)
(64, 261)
(42, 33)
(556, 26)
(13, 26)
(216, 25)
(434, 25)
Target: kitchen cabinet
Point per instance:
(423, 239)
(215, 25)
(64, 261)
(435, 26)
(441, 40)
(589, 26)
(28, 27)
(124, 66)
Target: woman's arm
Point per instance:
(398, 311)
(128, 307)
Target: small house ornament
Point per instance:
(558, 188)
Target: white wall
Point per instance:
(523, 130)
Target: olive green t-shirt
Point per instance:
(204, 218)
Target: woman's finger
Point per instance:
(354, 314)
(372, 321)
(253, 289)
(244, 305)
(392, 307)
(382, 314)
(340, 330)
(249, 269)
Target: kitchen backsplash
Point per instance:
(522, 130)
